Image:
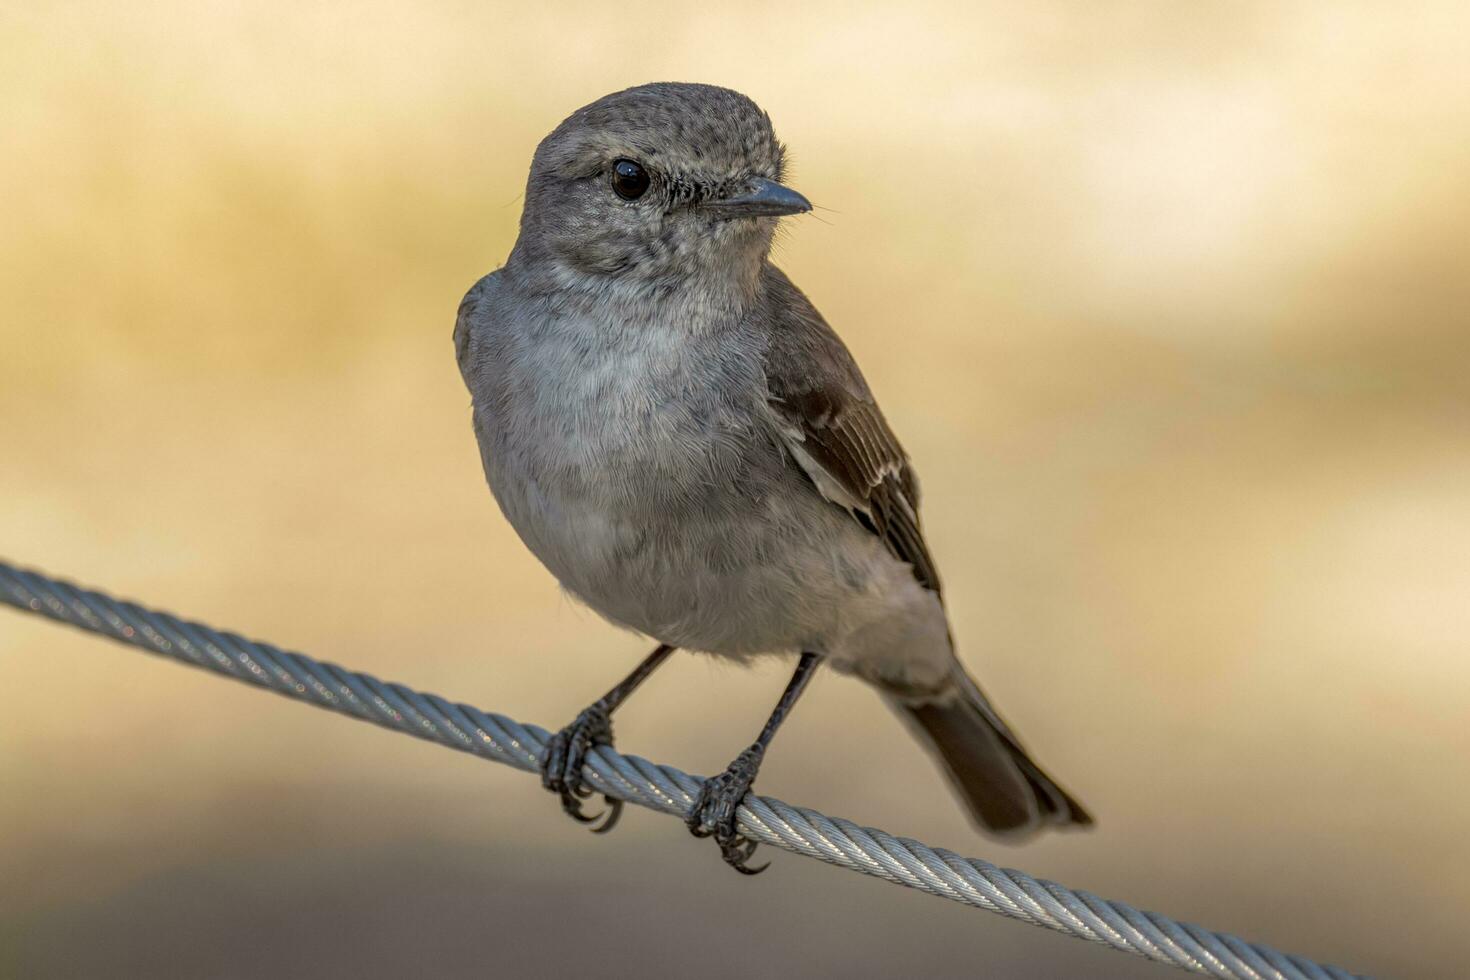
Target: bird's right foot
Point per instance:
(561, 767)
(713, 812)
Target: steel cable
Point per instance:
(970, 881)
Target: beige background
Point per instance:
(1167, 300)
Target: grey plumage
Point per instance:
(678, 435)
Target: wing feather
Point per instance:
(834, 430)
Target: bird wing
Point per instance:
(830, 423)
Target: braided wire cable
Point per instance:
(937, 871)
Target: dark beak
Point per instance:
(762, 199)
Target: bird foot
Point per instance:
(561, 767)
(713, 813)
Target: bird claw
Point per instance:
(714, 811)
(561, 768)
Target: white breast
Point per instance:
(609, 452)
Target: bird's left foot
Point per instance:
(713, 813)
(561, 767)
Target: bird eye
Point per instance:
(629, 180)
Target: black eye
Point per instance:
(629, 180)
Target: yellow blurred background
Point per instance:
(1168, 301)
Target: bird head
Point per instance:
(656, 187)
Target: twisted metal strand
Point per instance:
(937, 871)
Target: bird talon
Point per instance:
(715, 809)
(561, 767)
(609, 816)
(572, 807)
(739, 852)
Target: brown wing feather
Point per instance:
(830, 417)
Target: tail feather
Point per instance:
(1006, 793)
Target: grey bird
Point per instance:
(681, 439)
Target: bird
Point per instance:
(678, 435)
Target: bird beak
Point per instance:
(762, 199)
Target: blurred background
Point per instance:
(1169, 303)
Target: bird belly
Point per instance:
(664, 508)
(695, 568)
(738, 576)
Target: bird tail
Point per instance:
(1006, 794)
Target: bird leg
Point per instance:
(561, 766)
(713, 812)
